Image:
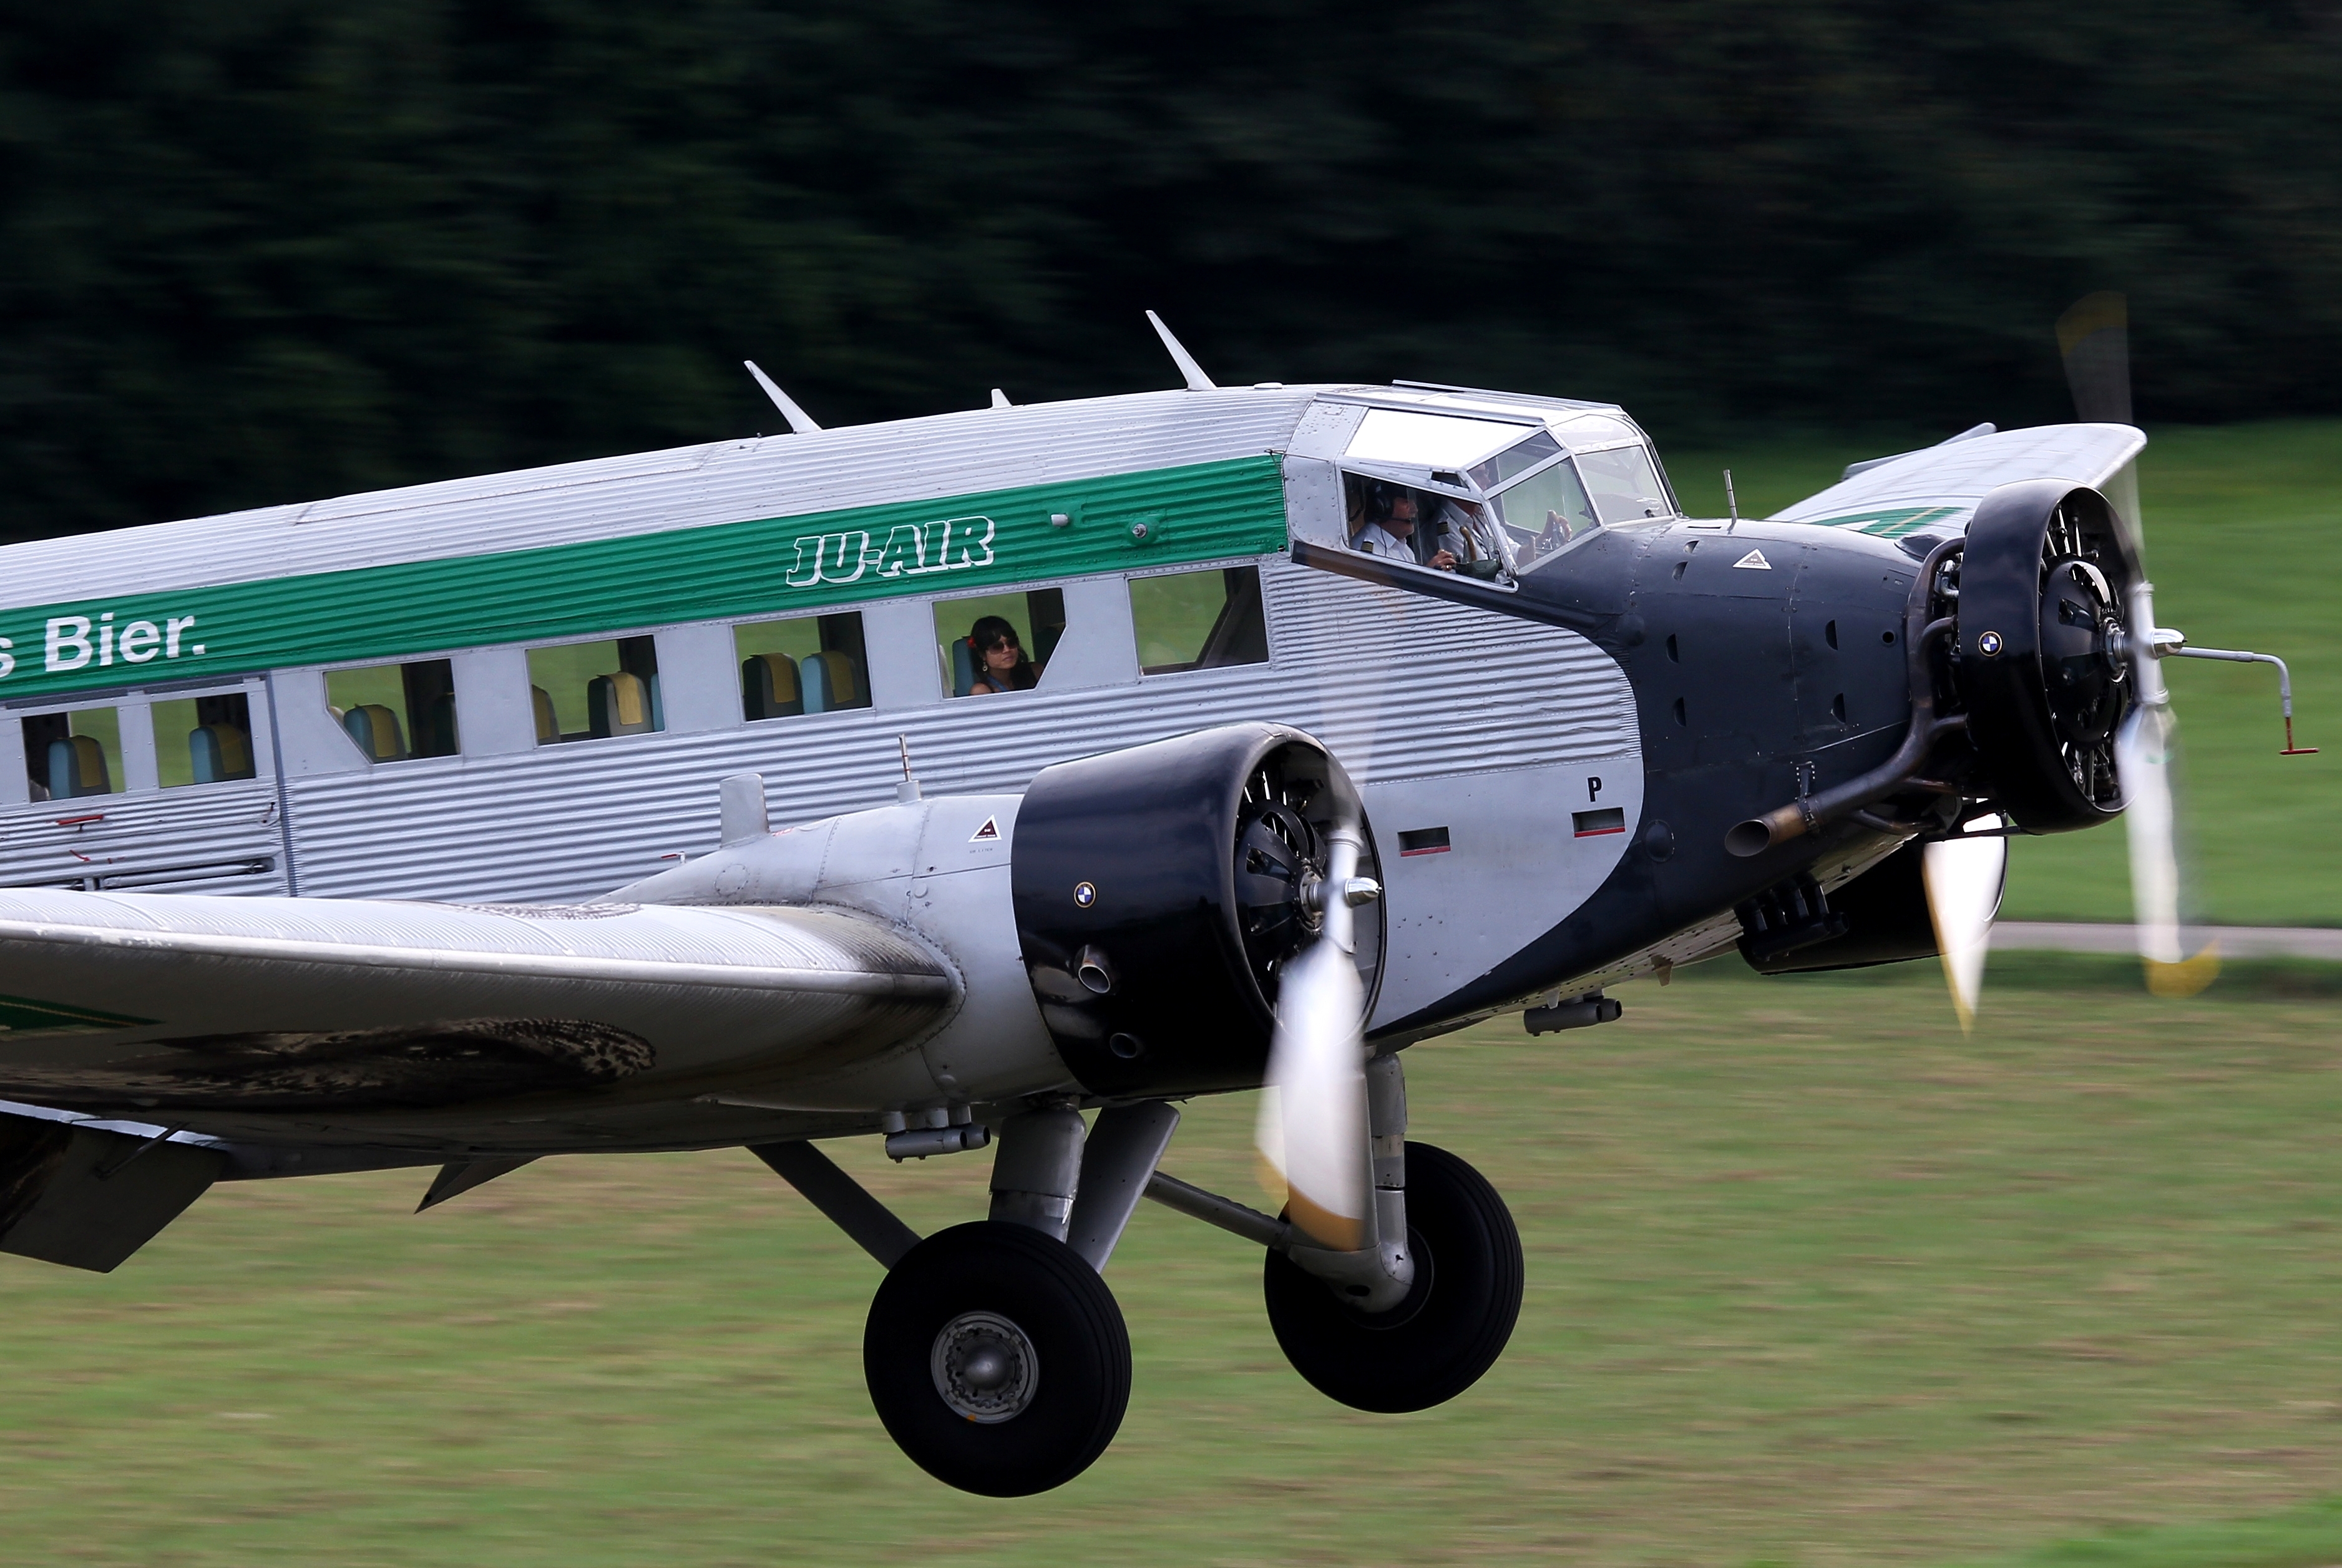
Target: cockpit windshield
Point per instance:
(1544, 512)
(1488, 499)
(1626, 486)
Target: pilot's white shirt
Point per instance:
(1374, 539)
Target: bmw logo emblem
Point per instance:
(1988, 643)
(1085, 894)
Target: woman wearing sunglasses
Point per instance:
(1000, 661)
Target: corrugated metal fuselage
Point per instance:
(1500, 734)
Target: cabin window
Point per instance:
(395, 712)
(808, 664)
(203, 740)
(998, 642)
(587, 691)
(73, 754)
(1199, 620)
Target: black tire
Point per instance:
(984, 1274)
(1452, 1325)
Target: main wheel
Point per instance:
(1454, 1323)
(997, 1359)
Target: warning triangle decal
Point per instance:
(1755, 561)
(989, 831)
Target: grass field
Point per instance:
(2245, 546)
(1813, 1280)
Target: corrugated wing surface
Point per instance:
(1942, 484)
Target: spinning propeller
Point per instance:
(2093, 336)
(1312, 1130)
(2109, 665)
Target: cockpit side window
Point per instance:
(1420, 527)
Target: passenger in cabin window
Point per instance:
(1000, 661)
(1392, 513)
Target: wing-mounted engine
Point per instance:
(1160, 891)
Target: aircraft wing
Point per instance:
(149, 1003)
(1937, 487)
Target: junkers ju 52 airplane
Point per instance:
(1259, 732)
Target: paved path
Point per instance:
(2235, 941)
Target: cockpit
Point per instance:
(1491, 498)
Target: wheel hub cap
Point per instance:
(985, 1367)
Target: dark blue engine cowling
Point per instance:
(1160, 890)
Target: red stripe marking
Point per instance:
(1441, 849)
(1598, 832)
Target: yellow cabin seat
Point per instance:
(831, 681)
(548, 725)
(376, 729)
(768, 687)
(77, 767)
(218, 753)
(618, 704)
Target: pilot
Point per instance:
(1391, 513)
(1000, 661)
(1463, 536)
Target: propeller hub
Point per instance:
(2082, 648)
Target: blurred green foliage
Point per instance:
(254, 251)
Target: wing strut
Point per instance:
(457, 1176)
(847, 1203)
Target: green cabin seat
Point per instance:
(376, 729)
(218, 753)
(77, 767)
(830, 681)
(962, 658)
(768, 687)
(620, 704)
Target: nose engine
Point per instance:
(2039, 663)
(1160, 891)
(2013, 638)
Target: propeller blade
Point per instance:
(1313, 1115)
(2093, 337)
(1964, 877)
(2146, 759)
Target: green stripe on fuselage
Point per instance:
(768, 567)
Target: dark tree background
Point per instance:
(260, 250)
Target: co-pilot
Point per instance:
(1388, 530)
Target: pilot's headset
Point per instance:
(1382, 498)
